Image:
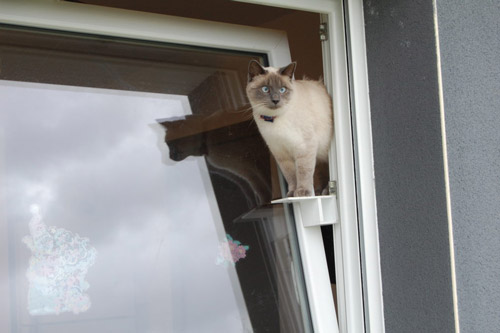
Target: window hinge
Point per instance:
(332, 187)
(323, 32)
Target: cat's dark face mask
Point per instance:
(270, 88)
(274, 92)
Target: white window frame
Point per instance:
(360, 300)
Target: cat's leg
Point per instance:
(321, 177)
(305, 174)
(287, 167)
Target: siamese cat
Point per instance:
(296, 121)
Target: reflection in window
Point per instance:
(231, 251)
(57, 268)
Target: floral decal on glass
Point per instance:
(58, 265)
(231, 251)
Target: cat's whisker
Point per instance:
(241, 111)
(256, 105)
(247, 110)
(252, 121)
(246, 116)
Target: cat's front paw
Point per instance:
(302, 192)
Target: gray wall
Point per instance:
(409, 168)
(411, 195)
(469, 34)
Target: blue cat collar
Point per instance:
(268, 118)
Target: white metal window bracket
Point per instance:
(314, 211)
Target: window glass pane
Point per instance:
(133, 191)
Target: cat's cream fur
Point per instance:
(301, 131)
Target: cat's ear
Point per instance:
(288, 70)
(254, 69)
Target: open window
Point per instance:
(135, 189)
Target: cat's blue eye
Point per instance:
(265, 89)
(282, 90)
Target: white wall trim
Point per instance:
(446, 172)
(365, 168)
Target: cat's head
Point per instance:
(269, 88)
(185, 137)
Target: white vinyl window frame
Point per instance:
(359, 299)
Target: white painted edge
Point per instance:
(446, 172)
(369, 237)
